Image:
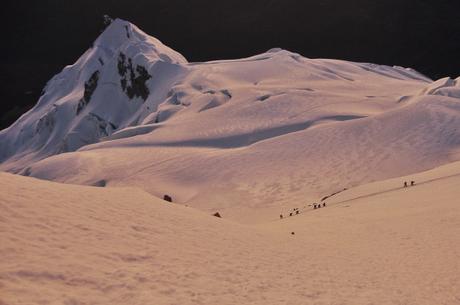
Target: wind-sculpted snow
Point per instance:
(445, 86)
(236, 134)
(278, 167)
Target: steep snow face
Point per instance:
(116, 83)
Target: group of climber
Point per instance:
(406, 184)
(296, 211)
(318, 205)
(323, 204)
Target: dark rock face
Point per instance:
(133, 79)
(167, 198)
(90, 87)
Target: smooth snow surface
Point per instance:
(69, 244)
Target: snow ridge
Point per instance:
(239, 135)
(95, 96)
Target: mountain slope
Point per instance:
(378, 243)
(264, 178)
(247, 137)
(129, 79)
(105, 90)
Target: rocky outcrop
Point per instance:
(133, 78)
(90, 87)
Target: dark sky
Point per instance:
(41, 37)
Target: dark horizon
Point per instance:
(43, 37)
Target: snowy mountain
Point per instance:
(115, 84)
(247, 137)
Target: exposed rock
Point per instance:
(127, 32)
(133, 79)
(90, 87)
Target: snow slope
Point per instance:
(254, 180)
(114, 84)
(70, 244)
(246, 137)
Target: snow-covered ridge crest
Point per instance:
(111, 86)
(265, 130)
(121, 32)
(444, 87)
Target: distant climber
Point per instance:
(297, 212)
(412, 183)
(290, 214)
(281, 216)
(324, 204)
(167, 198)
(405, 183)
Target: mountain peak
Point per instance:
(117, 33)
(123, 33)
(129, 84)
